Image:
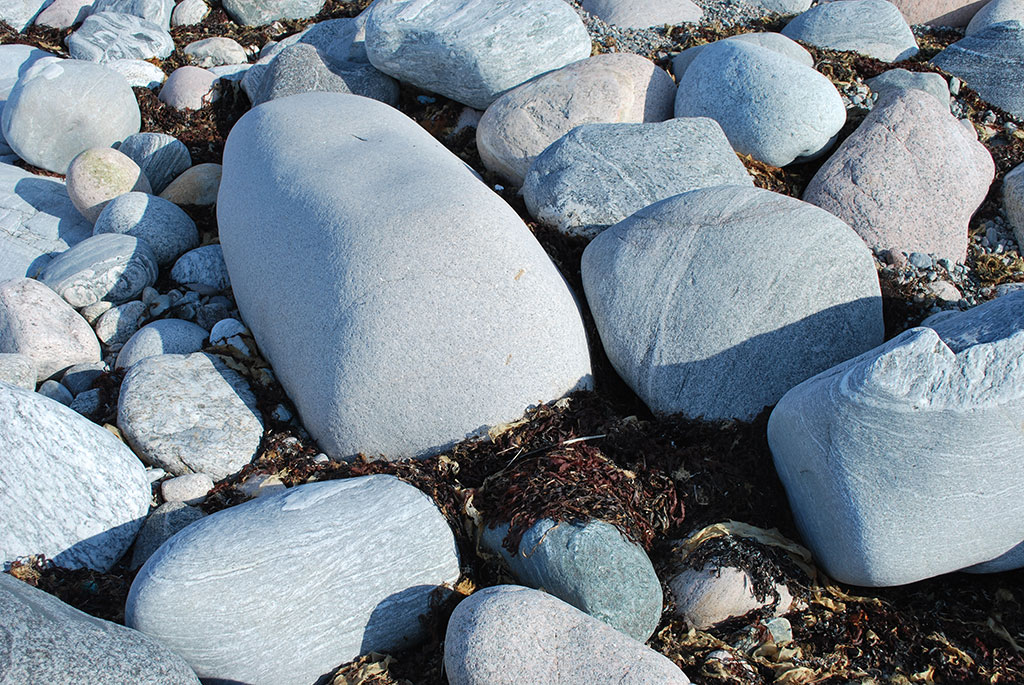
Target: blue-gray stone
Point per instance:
(56, 392)
(109, 266)
(920, 260)
(109, 36)
(155, 11)
(15, 60)
(340, 40)
(992, 63)
(165, 336)
(875, 28)
(1008, 561)
(259, 12)
(202, 270)
(18, 370)
(161, 524)
(995, 12)
(901, 79)
(160, 156)
(302, 68)
(162, 225)
(80, 377)
(770, 41)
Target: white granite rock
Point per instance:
(363, 556)
(109, 266)
(202, 270)
(165, 336)
(98, 175)
(190, 488)
(116, 325)
(138, 72)
(109, 36)
(72, 491)
(18, 370)
(155, 11)
(196, 185)
(770, 41)
(161, 224)
(189, 12)
(161, 157)
(685, 343)
(642, 14)
(161, 524)
(875, 28)
(706, 597)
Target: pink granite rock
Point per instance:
(939, 12)
(188, 88)
(62, 14)
(908, 179)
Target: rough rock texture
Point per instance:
(161, 157)
(162, 225)
(363, 556)
(189, 414)
(770, 41)
(939, 12)
(598, 174)
(190, 488)
(188, 88)
(771, 107)
(19, 13)
(139, 73)
(904, 463)
(202, 270)
(711, 595)
(71, 490)
(590, 566)
(995, 12)
(871, 27)
(991, 62)
(197, 185)
(685, 343)
(901, 79)
(642, 14)
(506, 635)
(1009, 561)
(259, 12)
(162, 523)
(36, 322)
(1013, 201)
(109, 266)
(362, 310)
(18, 370)
(214, 52)
(98, 175)
(47, 641)
(608, 88)
(165, 336)
(107, 36)
(302, 68)
(116, 325)
(472, 51)
(155, 11)
(908, 179)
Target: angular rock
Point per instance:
(901, 79)
(19, 13)
(189, 12)
(904, 463)
(598, 174)
(908, 179)
(771, 107)
(196, 185)
(642, 14)
(995, 12)
(388, 290)
(139, 74)
(89, 404)
(161, 524)
(115, 326)
(155, 11)
(991, 62)
(202, 270)
(161, 157)
(165, 336)
(213, 52)
(259, 12)
(63, 14)
(871, 27)
(706, 597)
(590, 566)
(770, 41)
(190, 488)
(472, 51)
(60, 108)
(609, 88)
(36, 322)
(301, 68)
(47, 641)
(18, 370)
(377, 546)
(72, 491)
(189, 88)
(109, 266)
(162, 225)
(98, 175)
(939, 12)
(507, 634)
(108, 36)
(686, 344)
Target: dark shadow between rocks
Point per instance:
(387, 617)
(83, 550)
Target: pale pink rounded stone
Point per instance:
(188, 88)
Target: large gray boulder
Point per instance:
(163, 226)
(72, 491)
(875, 28)
(364, 556)
(15, 61)
(161, 157)
(991, 62)
(109, 36)
(598, 174)
(686, 343)
(340, 40)
(1013, 201)
(904, 463)
(47, 641)
(768, 40)
(643, 14)
(383, 302)
(472, 51)
(164, 336)
(770, 106)
(20, 13)
(302, 68)
(259, 12)
(18, 370)
(901, 79)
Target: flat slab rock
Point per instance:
(363, 557)
(904, 463)
(991, 62)
(506, 635)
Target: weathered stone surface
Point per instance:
(139, 73)
(107, 36)
(196, 185)
(939, 12)
(871, 27)
(56, 392)
(388, 290)
(189, 414)
(47, 641)
(1013, 201)
(72, 491)
(15, 61)
(609, 88)
(213, 52)
(1009, 561)
(783, 6)
(991, 62)
(161, 157)
(162, 225)
(98, 175)
(590, 566)
(190, 488)
(908, 179)
(472, 51)
(116, 325)
(598, 174)
(339, 39)
(155, 11)
(18, 370)
(995, 12)
(61, 107)
(165, 336)
(686, 344)
(189, 88)
(901, 79)
(80, 377)
(770, 41)
(259, 12)
(189, 12)
(706, 597)
(301, 68)
(63, 14)
(202, 270)
(904, 463)
(19, 13)
(506, 634)
(36, 322)
(162, 523)
(89, 404)
(109, 266)
(771, 107)
(642, 14)
(376, 546)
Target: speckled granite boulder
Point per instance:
(686, 344)
(991, 62)
(161, 157)
(901, 79)
(18, 370)
(164, 336)
(107, 36)
(908, 179)
(378, 547)
(259, 12)
(904, 463)
(302, 68)
(642, 14)
(109, 266)
(871, 27)
(118, 324)
(472, 51)
(506, 635)
(768, 40)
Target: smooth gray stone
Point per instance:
(472, 51)
(89, 404)
(364, 319)
(783, 6)
(995, 12)
(1013, 201)
(108, 36)
(590, 566)
(301, 68)
(214, 52)
(644, 14)
(259, 12)
(37, 220)
(770, 106)
(340, 40)
(162, 225)
(47, 641)
(20, 13)
(875, 28)
(202, 270)
(61, 107)
(116, 325)
(139, 73)
(155, 11)
(56, 392)
(160, 156)
(992, 63)
(15, 61)
(1008, 561)
(109, 266)
(189, 12)
(901, 79)
(165, 336)
(72, 491)
(189, 414)
(80, 377)
(598, 174)
(904, 463)
(506, 635)
(364, 555)
(686, 344)
(18, 370)
(162, 524)
(770, 41)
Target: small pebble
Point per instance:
(261, 485)
(89, 403)
(190, 488)
(56, 391)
